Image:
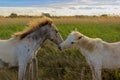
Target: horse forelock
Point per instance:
(33, 26)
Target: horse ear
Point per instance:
(75, 29)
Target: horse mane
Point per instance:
(90, 44)
(33, 26)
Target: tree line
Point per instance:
(15, 15)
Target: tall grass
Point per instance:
(68, 64)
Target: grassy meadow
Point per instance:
(68, 64)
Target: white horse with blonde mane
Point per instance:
(98, 53)
(21, 49)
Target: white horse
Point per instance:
(22, 48)
(98, 53)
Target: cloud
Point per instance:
(71, 7)
(89, 2)
(64, 11)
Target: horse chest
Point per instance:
(93, 58)
(7, 54)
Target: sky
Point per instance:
(29, 3)
(60, 7)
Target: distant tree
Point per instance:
(46, 14)
(13, 15)
(81, 16)
(104, 15)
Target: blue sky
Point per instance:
(22, 3)
(29, 3)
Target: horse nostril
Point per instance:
(59, 48)
(51, 39)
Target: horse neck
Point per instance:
(87, 44)
(36, 39)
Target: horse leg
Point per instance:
(27, 73)
(1, 64)
(93, 73)
(34, 69)
(21, 72)
(96, 73)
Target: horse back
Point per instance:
(111, 55)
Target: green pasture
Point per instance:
(68, 64)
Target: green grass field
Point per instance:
(68, 64)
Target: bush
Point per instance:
(46, 14)
(104, 15)
(13, 15)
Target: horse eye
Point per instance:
(56, 31)
(72, 42)
(80, 37)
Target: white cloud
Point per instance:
(68, 11)
(95, 2)
(75, 7)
